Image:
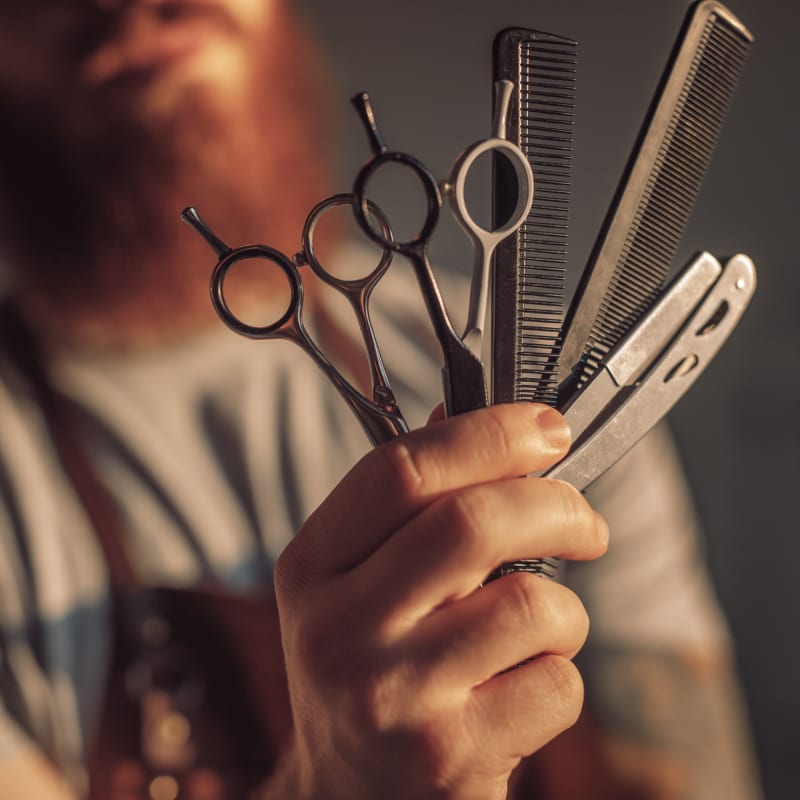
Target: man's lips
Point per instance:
(155, 34)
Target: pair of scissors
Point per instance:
(379, 415)
(464, 375)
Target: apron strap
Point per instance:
(26, 353)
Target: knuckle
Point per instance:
(382, 708)
(573, 504)
(574, 510)
(496, 421)
(524, 595)
(434, 744)
(373, 703)
(580, 621)
(544, 602)
(565, 688)
(561, 607)
(462, 522)
(401, 465)
(418, 729)
(548, 608)
(366, 708)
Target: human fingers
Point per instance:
(397, 480)
(522, 709)
(448, 549)
(500, 625)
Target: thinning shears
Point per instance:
(464, 375)
(379, 415)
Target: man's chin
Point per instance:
(151, 39)
(216, 76)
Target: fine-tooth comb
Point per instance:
(640, 234)
(530, 266)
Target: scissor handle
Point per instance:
(498, 143)
(357, 290)
(485, 237)
(486, 241)
(383, 156)
(287, 323)
(380, 423)
(433, 196)
(344, 284)
(465, 387)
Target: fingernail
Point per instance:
(601, 526)
(554, 428)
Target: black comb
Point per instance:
(640, 234)
(530, 266)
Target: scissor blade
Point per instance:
(634, 408)
(463, 377)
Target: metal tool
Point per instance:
(529, 287)
(656, 351)
(464, 381)
(648, 372)
(379, 415)
(655, 364)
(639, 237)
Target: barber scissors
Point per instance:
(379, 415)
(464, 378)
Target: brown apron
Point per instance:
(196, 707)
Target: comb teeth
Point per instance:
(530, 267)
(644, 226)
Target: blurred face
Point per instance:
(74, 46)
(122, 112)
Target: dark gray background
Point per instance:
(427, 66)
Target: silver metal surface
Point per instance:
(636, 352)
(669, 375)
(485, 242)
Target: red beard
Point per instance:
(93, 188)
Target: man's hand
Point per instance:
(404, 671)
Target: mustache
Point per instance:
(121, 33)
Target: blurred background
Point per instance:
(426, 64)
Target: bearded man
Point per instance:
(121, 399)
